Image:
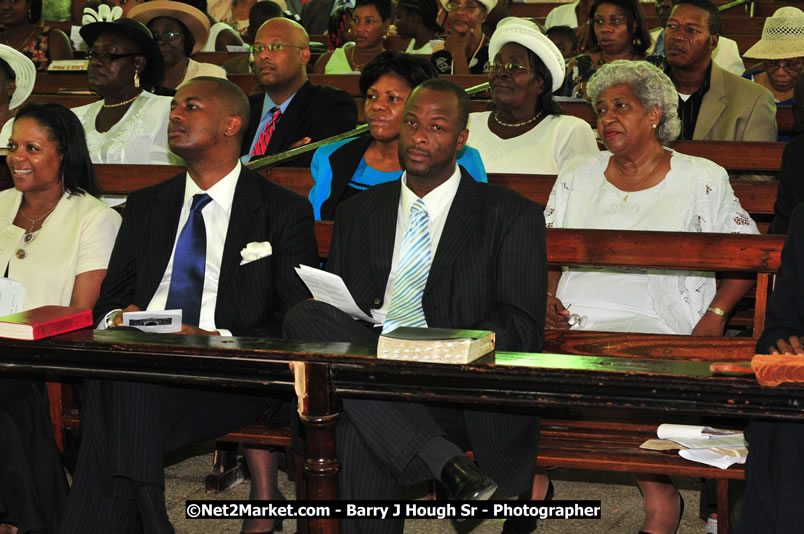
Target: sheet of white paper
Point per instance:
(330, 288)
(671, 431)
(737, 440)
(12, 296)
(713, 458)
(154, 321)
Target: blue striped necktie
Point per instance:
(189, 265)
(415, 259)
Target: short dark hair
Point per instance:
(262, 11)
(236, 101)
(35, 11)
(633, 14)
(709, 7)
(566, 32)
(10, 75)
(383, 7)
(411, 68)
(427, 10)
(76, 172)
(445, 86)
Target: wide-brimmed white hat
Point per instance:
(782, 36)
(528, 34)
(193, 19)
(488, 4)
(24, 74)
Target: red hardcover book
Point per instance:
(44, 321)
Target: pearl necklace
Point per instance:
(517, 124)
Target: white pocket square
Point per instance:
(255, 251)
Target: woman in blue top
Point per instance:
(348, 167)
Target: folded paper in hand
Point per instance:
(330, 288)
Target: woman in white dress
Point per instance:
(639, 184)
(526, 132)
(129, 124)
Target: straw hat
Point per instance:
(527, 34)
(195, 21)
(488, 4)
(24, 74)
(782, 36)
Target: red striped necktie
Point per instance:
(261, 146)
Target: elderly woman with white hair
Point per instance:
(640, 184)
(526, 131)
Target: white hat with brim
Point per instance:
(196, 22)
(527, 34)
(24, 73)
(488, 4)
(782, 36)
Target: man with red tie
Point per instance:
(292, 111)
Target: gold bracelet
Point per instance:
(550, 295)
(716, 311)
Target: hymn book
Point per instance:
(436, 345)
(44, 321)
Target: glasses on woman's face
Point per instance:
(511, 68)
(791, 66)
(455, 6)
(107, 57)
(166, 36)
(614, 20)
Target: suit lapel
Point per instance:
(255, 111)
(460, 225)
(290, 118)
(241, 221)
(713, 105)
(381, 235)
(165, 217)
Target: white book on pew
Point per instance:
(703, 444)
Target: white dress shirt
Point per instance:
(437, 202)
(216, 221)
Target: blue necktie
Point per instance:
(189, 264)
(415, 258)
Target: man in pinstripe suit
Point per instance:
(488, 271)
(126, 427)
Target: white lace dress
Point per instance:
(140, 137)
(695, 196)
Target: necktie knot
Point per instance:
(199, 201)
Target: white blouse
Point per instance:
(76, 238)
(541, 150)
(139, 137)
(695, 196)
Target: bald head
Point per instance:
(288, 31)
(234, 102)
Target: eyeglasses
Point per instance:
(512, 68)
(259, 48)
(107, 57)
(166, 36)
(791, 66)
(614, 20)
(454, 6)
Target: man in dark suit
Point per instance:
(485, 251)
(292, 111)
(774, 470)
(156, 265)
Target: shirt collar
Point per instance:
(268, 103)
(706, 81)
(222, 192)
(436, 201)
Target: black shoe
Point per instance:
(525, 525)
(464, 481)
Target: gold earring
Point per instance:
(136, 79)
